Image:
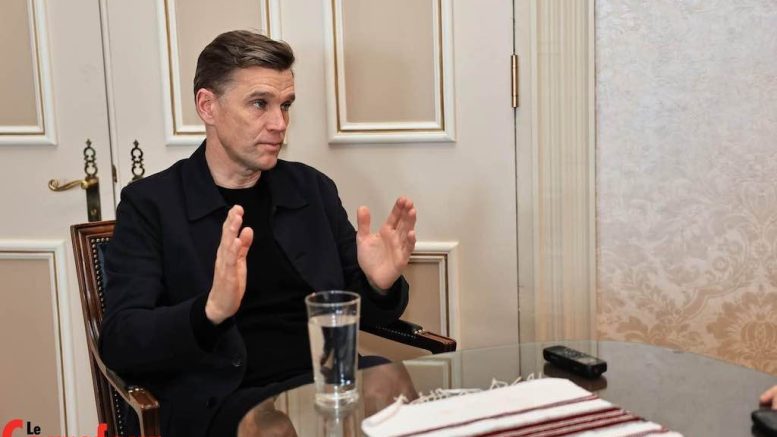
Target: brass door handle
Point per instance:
(90, 183)
(85, 183)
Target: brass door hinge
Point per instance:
(515, 82)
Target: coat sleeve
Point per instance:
(142, 331)
(377, 309)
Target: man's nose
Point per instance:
(277, 120)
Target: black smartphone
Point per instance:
(574, 361)
(765, 422)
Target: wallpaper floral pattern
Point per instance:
(687, 175)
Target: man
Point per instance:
(211, 258)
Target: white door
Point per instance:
(52, 83)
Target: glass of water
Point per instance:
(333, 327)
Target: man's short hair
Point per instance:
(238, 49)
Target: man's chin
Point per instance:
(267, 163)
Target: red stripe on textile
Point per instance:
(509, 413)
(557, 423)
(574, 429)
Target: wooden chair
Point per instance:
(114, 395)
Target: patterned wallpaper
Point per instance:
(687, 175)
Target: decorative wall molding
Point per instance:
(557, 243)
(177, 133)
(54, 252)
(442, 129)
(45, 132)
(445, 255)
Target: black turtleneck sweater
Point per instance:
(272, 318)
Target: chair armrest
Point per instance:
(141, 400)
(413, 335)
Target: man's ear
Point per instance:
(206, 101)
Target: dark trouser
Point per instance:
(236, 405)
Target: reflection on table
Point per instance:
(688, 393)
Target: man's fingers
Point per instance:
(231, 254)
(228, 284)
(396, 212)
(238, 248)
(240, 245)
(231, 225)
(363, 221)
(407, 220)
(246, 238)
(408, 245)
(411, 241)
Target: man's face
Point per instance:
(251, 116)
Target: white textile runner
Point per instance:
(541, 407)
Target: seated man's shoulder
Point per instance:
(301, 172)
(297, 168)
(155, 196)
(156, 185)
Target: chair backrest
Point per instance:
(90, 240)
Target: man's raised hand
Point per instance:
(229, 274)
(382, 256)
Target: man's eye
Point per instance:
(286, 106)
(261, 104)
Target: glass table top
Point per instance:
(689, 393)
